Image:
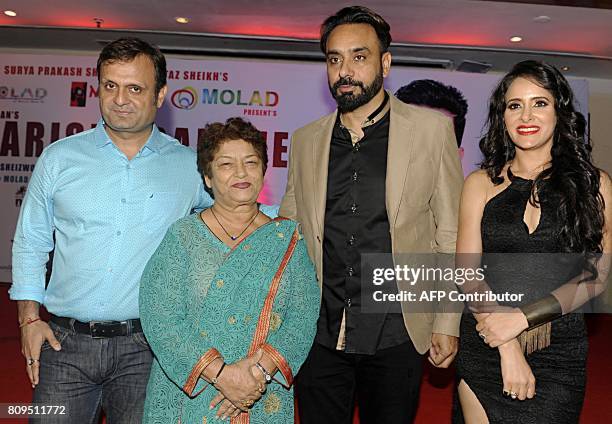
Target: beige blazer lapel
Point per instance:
(320, 162)
(401, 143)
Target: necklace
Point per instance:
(529, 174)
(234, 238)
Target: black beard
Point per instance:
(348, 102)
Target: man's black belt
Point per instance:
(99, 329)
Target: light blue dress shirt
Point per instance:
(108, 215)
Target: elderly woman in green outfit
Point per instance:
(229, 301)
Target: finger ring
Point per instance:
(247, 403)
(483, 337)
(31, 361)
(513, 395)
(261, 389)
(506, 393)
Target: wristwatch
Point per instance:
(266, 374)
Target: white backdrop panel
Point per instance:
(43, 98)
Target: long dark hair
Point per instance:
(571, 175)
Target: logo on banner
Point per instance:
(78, 94)
(239, 97)
(253, 102)
(23, 95)
(185, 98)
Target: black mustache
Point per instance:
(347, 81)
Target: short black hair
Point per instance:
(434, 94)
(126, 49)
(357, 15)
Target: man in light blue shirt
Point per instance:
(104, 199)
(109, 214)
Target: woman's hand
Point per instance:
(516, 372)
(226, 409)
(238, 384)
(500, 327)
(266, 362)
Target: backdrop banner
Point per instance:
(45, 98)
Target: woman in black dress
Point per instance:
(537, 192)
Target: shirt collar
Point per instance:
(378, 113)
(102, 139)
(375, 116)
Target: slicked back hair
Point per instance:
(357, 15)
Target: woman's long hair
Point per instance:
(571, 175)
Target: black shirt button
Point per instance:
(354, 208)
(350, 271)
(347, 302)
(351, 240)
(355, 176)
(356, 147)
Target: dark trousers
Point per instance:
(89, 374)
(385, 385)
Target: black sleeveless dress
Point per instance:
(559, 369)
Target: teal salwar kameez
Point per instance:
(196, 294)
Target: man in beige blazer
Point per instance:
(376, 176)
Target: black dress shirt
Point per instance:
(356, 222)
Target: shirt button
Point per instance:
(110, 270)
(355, 176)
(356, 147)
(350, 271)
(347, 302)
(351, 240)
(123, 200)
(118, 233)
(354, 208)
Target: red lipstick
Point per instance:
(527, 129)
